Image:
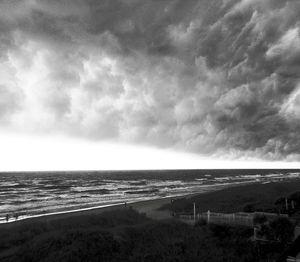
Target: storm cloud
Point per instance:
(216, 77)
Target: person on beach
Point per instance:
(7, 218)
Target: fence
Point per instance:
(241, 218)
(220, 218)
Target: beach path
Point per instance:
(150, 208)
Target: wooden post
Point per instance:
(194, 212)
(208, 216)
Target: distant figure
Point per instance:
(125, 204)
(7, 218)
(16, 216)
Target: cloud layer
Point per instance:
(220, 77)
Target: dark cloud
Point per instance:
(216, 77)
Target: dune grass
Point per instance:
(259, 197)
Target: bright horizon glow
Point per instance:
(44, 153)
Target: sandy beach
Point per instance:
(148, 207)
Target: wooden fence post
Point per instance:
(208, 216)
(194, 212)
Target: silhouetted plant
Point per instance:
(282, 229)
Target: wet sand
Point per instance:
(148, 207)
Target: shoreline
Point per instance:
(149, 207)
(112, 206)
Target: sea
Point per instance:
(33, 194)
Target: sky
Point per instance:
(149, 84)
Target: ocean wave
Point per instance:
(39, 194)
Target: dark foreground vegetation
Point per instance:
(125, 235)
